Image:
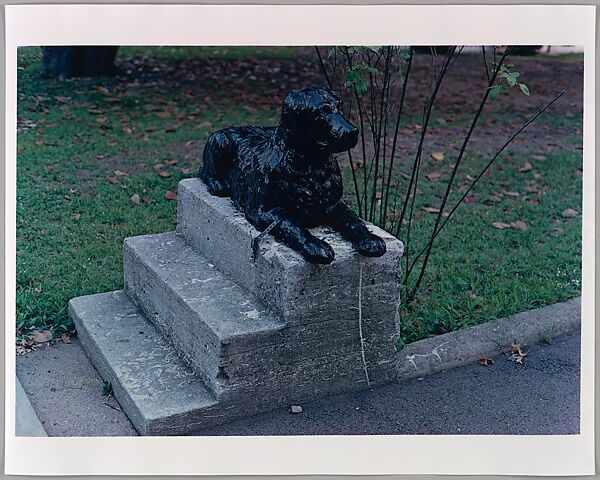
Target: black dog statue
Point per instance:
(286, 179)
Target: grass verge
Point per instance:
(96, 158)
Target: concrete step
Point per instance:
(301, 292)
(236, 344)
(159, 393)
(206, 316)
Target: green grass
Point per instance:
(478, 272)
(82, 155)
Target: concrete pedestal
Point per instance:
(206, 331)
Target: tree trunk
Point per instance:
(78, 61)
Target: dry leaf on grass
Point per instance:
(120, 173)
(433, 176)
(511, 194)
(434, 210)
(527, 167)
(40, 336)
(570, 213)
(439, 156)
(532, 188)
(169, 195)
(164, 174)
(170, 162)
(501, 225)
(147, 200)
(519, 224)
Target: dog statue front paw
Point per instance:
(370, 246)
(318, 251)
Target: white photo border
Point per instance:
(304, 25)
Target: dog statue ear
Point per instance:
(290, 129)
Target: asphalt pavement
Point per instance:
(539, 396)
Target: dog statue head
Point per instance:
(312, 122)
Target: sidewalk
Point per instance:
(539, 397)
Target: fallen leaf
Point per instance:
(40, 336)
(377, 195)
(101, 119)
(471, 200)
(185, 170)
(519, 224)
(434, 210)
(113, 180)
(135, 198)
(486, 362)
(66, 338)
(441, 121)
(162, 173)
(539, 157)
(510, 194)
(558, 231)
(163, 114)
(433, 176)
(169, 195)
(500, 225)
(527, 167)
(570, 213)
(147, 200)
(516, 348)
(120, 173)
(439, 156)
(532, 188)
(170, 162)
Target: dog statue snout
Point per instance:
(345, 135)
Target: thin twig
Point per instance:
(427, 115)
(392, 154)
(457, 164)
(323, 69)
(487, 70)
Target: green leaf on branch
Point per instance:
(497, 90)
(511, 79)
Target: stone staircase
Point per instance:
(214, 325)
